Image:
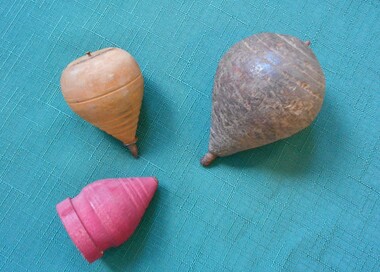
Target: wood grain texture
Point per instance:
(106, 89)
(267, 87)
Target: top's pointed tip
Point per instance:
(149, 180)
(208, 159)
(149, 184)
(134, 150)
(307, 43)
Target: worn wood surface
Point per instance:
(267, 87)
(106, 88)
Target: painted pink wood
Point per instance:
(106, 213)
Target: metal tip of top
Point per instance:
(208, 159)
(134, 150)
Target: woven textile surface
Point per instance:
(307, 203)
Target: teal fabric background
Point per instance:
(307, 203)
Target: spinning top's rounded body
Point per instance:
(267, 87)
(106, 213)
(105, 88)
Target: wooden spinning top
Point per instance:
(106, 88)
(267, 87)
(106, 213)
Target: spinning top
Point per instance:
(105, 88)
(267, 87)
(106, 213)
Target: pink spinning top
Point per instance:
(106, 213)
